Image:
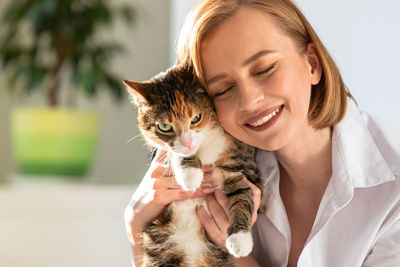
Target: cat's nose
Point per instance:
(187, 143)
(186, 140)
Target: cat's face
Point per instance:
(174, 111)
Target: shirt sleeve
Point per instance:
(386, 251)
(143, 187)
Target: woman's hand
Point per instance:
(217, 222)
(161, 190)
(154, 193)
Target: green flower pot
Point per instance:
(59, 142)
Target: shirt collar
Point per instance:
(354, 145)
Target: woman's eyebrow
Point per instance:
(215, 78)
(257, 55)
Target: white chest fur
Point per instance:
(213, 145)
(186, 228)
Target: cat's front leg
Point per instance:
(239, 241)
(188, 172)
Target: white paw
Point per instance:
(190, 178)
(239, 244)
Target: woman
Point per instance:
(332, 173)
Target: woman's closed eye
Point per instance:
(265, 70)
(224, 91)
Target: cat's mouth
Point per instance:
(265, 119)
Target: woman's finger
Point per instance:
(167, 182)
(161, 171)
(207, 168)
(165, 178)
(256, 199)
(209, 224)
(218, 213)
(222, 200)
(179, 194)
(161, 196)
(160, 156)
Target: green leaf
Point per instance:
(11, 55)
(128, 14)
(63, 30)
(36, 76)
(7, 40)
(17, 11)
(14, 76)
(87, 81)
(36, 11)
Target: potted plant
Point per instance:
(40, 39)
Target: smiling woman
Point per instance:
(331, 173)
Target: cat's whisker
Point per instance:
(133, 138)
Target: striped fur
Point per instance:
(176, 237)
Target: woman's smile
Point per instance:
(264, 120)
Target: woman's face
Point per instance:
(259, 82)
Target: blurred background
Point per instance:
(76, 219)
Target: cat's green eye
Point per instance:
(196, 118)
(165, 127)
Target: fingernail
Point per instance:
(209, 184)
(207, 190)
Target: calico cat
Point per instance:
(175, 114)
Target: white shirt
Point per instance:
(358, 219)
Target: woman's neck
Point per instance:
(306, 163)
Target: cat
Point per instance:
(176, 114)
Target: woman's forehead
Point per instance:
(240, 37)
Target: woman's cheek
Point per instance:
(220, 113)
(225, 115)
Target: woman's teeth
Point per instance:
(265, 119)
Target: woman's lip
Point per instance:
(267, 124)
(261, 115)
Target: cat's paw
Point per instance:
(239, 244)
(191, 179)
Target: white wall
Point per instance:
(363, 36)
(179, 9)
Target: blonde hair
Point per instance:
(328, 98)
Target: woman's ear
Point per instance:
(315, 65)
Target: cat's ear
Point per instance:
(138, 91)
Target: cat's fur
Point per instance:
(176, 237)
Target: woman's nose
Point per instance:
(250, 96)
